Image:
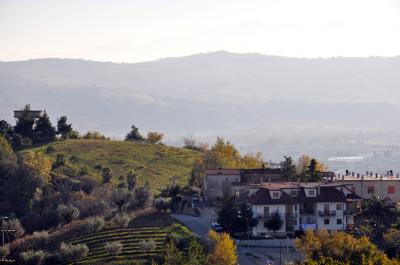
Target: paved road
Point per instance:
(269, 249)
(199, 225)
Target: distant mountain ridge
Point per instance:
(207, 92)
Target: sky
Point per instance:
(136, 31)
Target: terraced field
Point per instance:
(129, 237)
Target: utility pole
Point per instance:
(3, 231)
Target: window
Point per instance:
(339, 207)
(266, 211)
(391, 189)
(326, 221)
(275, 195)
(265, 224)
(339, 221)
(311, 193)
(295, 222)
(237, 193)
(326, 207)
(295, 207)
(371, 189)
(353, 189)
(293, 193)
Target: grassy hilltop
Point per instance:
(152, 162)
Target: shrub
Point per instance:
(32, 257)
(69, 252)
(67, 213)
(16, 225)
(147, 245)
(162, 204)
(113, 248)
(50, 149)
(121, 220)
(74, 159)
(4, 251)
(93, 224)
(39, 239)
(60, 160)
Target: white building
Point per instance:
(303, 206)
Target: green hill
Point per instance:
(152, 162)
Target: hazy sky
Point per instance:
(133, 31)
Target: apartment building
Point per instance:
(369, 185)
(218, 181)
(303, 206)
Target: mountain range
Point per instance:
(210, 94)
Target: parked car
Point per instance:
(216, 227)
(268, 262)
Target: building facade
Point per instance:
(218, 181)
(367, 186)
(303, 206)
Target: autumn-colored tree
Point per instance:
(172, 255)
(307, 167)
(340, 247)
(154, 137)
(223, 251)
(38, 164)
(392, 241)
(251, 160)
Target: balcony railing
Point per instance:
(267, 216)
(351, 211)
(307, 211)
(326, 213)
(291, 215)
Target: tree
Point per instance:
(121, 220)
(340, 247)
(15, 225)
(288, 167)
(154, 137)
(197, 174)
(6, 130)
(4, 251)
(134, 135)
(196, 254)
(246, 218)
(162, 204)
(67, 213)
(223, 250)
(32, 257)
(60, 160)
(106, 174)
(172, 255)
(25, 122)
(142, 196)
(275, 223)
(73, 253)
(113, 248)
(37, 164)
(392, 241)
(63, 128)
(44, 130)
(227, 214)
(120, 197)
(132, 180)
(380, 211)
(147, 246)
(308, 173)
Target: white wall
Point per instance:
(259, 211)
(332, 219)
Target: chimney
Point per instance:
(347, 172)
(362, 177)
(342, 177)
(391, 173)
(370, 174)
(381, 177)
(352, 174)
(358, 175)
(367, 173)
(376, 175)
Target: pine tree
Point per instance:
(63, 128)
(132, 180)
(44, 130)
(134, 135)
(24, 125)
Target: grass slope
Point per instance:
(152, 162)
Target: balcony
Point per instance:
(265, 216)
(291, 215)
(326, 213)
(351, 211)
(307, 211)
